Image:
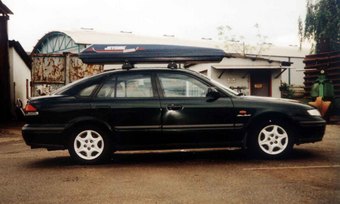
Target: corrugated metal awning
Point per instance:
(247, 67)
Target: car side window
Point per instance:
(180, 85)
(134, 86)
(87, 91)
(108, 89)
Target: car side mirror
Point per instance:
(212, 94)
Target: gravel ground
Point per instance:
(311, 175)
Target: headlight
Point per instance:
(314, 112)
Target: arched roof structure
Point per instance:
(56, 42)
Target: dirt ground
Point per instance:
(310, 175)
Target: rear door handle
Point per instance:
(175, 107)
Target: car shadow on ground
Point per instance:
(181, 157)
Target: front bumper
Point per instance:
(44, 136)
(310, 130)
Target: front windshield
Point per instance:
(218, 84)
(229, 90)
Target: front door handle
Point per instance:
(175, 107)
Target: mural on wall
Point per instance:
(48, 69)
(79, 70)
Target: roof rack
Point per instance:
(172, 65)
(127, 65)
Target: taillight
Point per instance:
(31, 110)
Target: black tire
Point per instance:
(90, 145)
(270, 139)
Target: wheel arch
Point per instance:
(85, 121)
(256, 124)
(263, 117)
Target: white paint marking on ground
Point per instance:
(291, 167)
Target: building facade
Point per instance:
(20, 74)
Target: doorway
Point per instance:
(260, 83)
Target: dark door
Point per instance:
(130, 104)
(260, 83)
(188, 119)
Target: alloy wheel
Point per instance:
(273, 139)
(88, 145)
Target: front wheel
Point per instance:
(271, 139)
(89, 145)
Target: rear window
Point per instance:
(80, 87)
(127, 86)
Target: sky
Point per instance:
(185, 19)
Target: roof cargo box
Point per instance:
(147, 53)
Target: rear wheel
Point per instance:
(89, 145)
(271, 139)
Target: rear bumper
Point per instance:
(310, 131)
(46, 136)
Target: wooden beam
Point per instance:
(5, 99)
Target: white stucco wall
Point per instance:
(234, 78)
(19, 72)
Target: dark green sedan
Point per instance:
(159, 108)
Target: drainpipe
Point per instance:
(289, 72)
